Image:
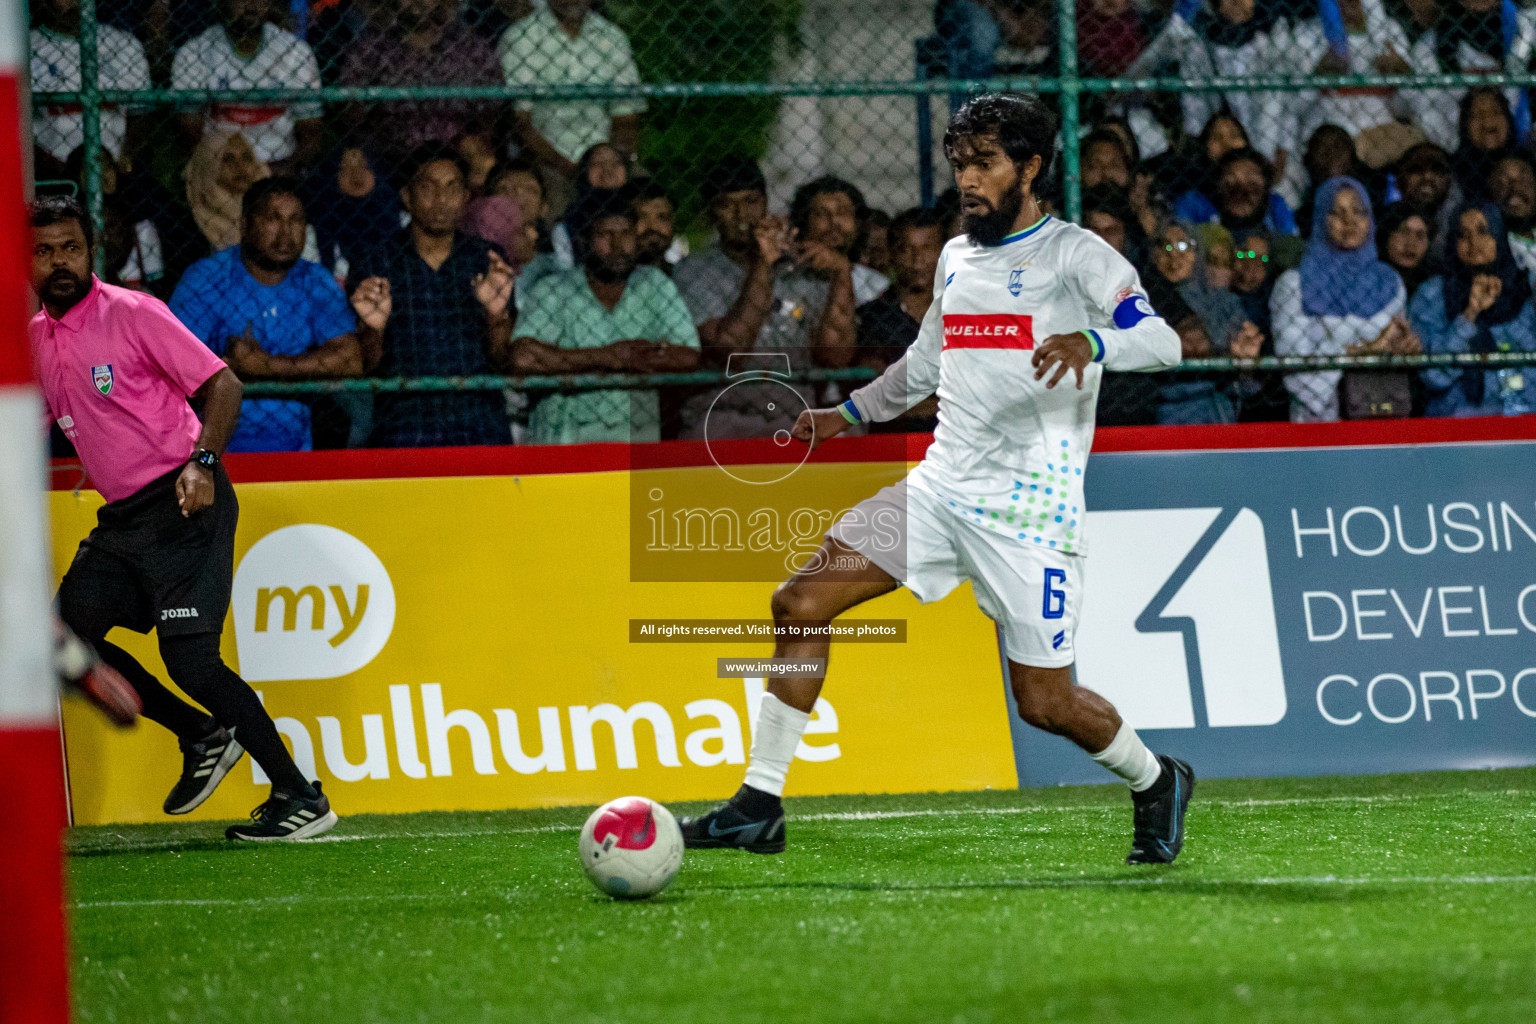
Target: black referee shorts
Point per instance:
(146, 566)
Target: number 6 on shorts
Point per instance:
(1055, 600)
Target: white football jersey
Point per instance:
(60, 128)
(1009, 454)
(284, 61)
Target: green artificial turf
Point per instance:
(1408, 898)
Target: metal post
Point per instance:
(1071, 180)
(34, 965)
(90, 100)
(924, 128)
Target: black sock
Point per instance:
(755, 803)
(1163, 784)
(195, 666)
(161, 706)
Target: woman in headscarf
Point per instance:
(351, 206)
(1208, 320)
(1258, 259)
(1404, 237)
(499, 220)
(222, 167)
(1486, 131)
(601, 170)
(1341, 300)
(1482, 303)
(1254, 272)
(1110, 36)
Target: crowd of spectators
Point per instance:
(468, 237)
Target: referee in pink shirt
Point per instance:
(117, 369)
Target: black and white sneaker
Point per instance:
(751, 820)
(286, 817)
(1159, 825)
(203, 766)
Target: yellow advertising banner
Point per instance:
(465, 643)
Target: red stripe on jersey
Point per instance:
(988, 330)
(244, 115)
(63, 109)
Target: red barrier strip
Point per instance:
(16, 254)
(34, 981)
(34, 964)
(1355, 433)
(533, 460)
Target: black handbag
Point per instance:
(1375, 395)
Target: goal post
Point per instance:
(33, 962)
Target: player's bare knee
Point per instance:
(1042, 709)
(1044, 697)
(798, 600)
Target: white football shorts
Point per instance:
(1032, 591)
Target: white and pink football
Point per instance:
(631, 847)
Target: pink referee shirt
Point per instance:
(116, 372)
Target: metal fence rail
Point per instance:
(604, 381)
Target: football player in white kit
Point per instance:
(1025, 306)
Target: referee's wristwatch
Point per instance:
(205, 458)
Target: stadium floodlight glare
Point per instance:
(33, 970)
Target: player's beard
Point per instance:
(990, 228)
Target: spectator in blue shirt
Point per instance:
(1482, 303)
(270, 315)
(1244, 199)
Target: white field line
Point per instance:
(1230, 804)
(946, 812)
(1040, 883)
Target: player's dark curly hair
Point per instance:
(1021, 124)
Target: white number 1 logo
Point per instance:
(1178, 625)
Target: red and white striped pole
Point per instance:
(34, 972)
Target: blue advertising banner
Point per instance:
(1310, 611)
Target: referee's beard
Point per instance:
(63, 289)
(989, 228)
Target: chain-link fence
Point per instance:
(422, 222)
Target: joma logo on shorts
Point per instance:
(177, 613)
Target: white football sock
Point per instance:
(1127, 757)
(774, 742)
